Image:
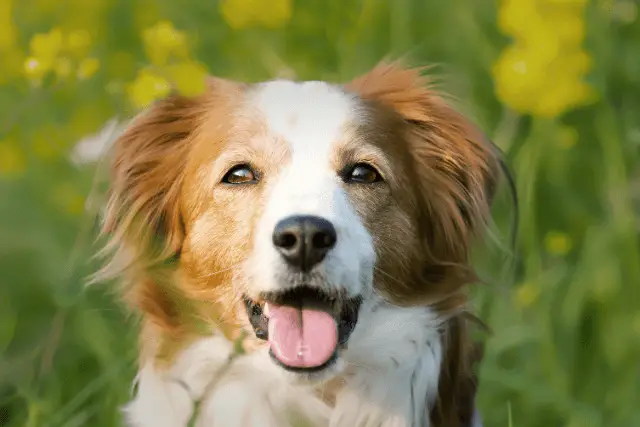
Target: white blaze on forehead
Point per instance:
(310, 116)
(313, 119)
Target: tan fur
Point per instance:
(176, 238)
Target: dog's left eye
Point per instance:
(240, 174)
(362, 173)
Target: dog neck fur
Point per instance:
(392, 381)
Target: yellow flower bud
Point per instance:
(147, 88)
(163, 40)
(35, 69)
(568, 25)
(47, 46)
(518, 18)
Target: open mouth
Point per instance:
(305, 326)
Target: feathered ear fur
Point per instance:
(142, 222)
(456, 172)
(142, 216)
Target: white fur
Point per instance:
(392, 365)
(312, 118)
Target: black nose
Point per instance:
(304, 240)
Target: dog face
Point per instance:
(291, 204)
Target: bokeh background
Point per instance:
(555, 83)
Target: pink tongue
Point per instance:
(301, 338)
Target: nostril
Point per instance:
(286, 240)
(323, 240)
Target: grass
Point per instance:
(565, 323)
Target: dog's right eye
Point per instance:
(240, 174)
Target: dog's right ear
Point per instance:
(142, 215)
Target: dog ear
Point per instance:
(456, 172)
(142, 215)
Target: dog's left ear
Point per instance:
(455, 166)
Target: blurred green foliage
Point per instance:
(556, 83)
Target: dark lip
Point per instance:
(346, 312)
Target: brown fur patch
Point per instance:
(450, 172)
(145, 215)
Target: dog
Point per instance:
(298, 253)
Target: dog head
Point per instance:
(287, 205)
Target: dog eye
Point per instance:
(240, 174)
(363, 173)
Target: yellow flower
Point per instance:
(34, 68)
(558, 243)
(13, 161)
(518, 77)
(241, 14)
(517, 17)
(547, 34)
(47, 46)
(568, 25)
(162, 41)
(44, 48)
(189, 78)
(526, 295)
(521, 81)
(88, 67)
(147, 88)
(58, 52)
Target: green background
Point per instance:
(565, 342)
